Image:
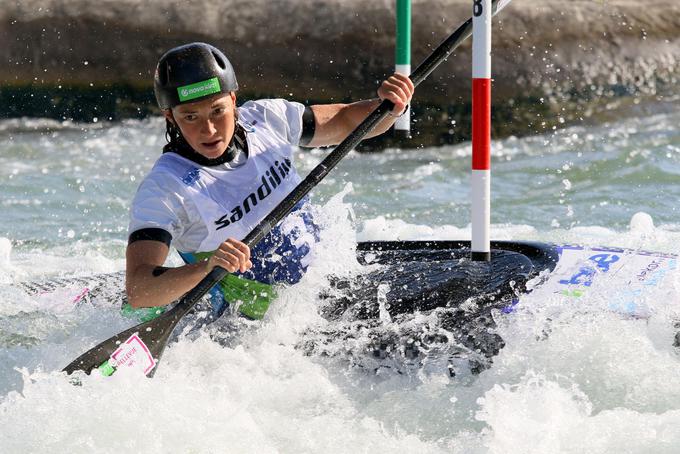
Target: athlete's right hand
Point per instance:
(232, 255)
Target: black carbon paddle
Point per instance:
(143, 345)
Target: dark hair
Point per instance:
(172, 132)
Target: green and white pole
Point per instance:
(402, 127)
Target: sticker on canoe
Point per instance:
(627, 279)
(133, 352)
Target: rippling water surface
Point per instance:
(570, 379)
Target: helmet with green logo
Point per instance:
(190, 73)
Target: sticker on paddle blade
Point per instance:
(133, 353)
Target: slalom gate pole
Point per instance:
(481, 130)
(402, 127)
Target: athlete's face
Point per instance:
(207, 125)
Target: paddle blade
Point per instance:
(140, 346)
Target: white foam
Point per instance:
(539, 414)
(381, 228)
(262, 395)
(642, 222)
(6, 268)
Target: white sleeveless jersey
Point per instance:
(202, 206)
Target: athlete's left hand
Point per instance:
(232, 255)
(399, 89)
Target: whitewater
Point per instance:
(571, 378)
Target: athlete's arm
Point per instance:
(334, 122)
(148, 283)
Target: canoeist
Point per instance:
(223, 170)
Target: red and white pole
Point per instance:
(481, 129)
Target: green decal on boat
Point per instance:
(143, 314)
(574, 293)
(106, 369)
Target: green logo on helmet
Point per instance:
(199, 89)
